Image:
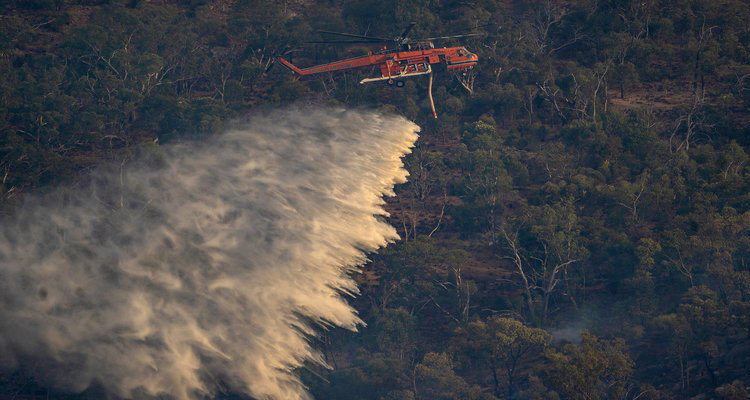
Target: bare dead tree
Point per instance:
(4, 191)
(742, 83)
(632, 15)
(704, 35)
(500, 51)
(467, 79)
(519, 263)
(544, 19)
(118, 65)
(329, 84)
(263, 57)
(581, 100)
(549, 273)
(421, 166)
(550, 94)
(691, 124)
(409, 223)
(530, 93)
(442, 212)
(601, 79)
(633, 206)
(577, 36)
(538, 274)
(463, 290)
(679, 263)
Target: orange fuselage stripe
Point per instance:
(391, 60)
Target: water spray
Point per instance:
(206, 266)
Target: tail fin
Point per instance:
(291, 66)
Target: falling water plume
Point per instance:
(207, 265)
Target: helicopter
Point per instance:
(406, 58)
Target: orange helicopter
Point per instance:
(412, 57)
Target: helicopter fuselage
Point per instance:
(396, 64)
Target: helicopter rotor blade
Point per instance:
(289, 50)
(357, 36)
(285, 51)
(485, 25)
(448, 37)
(345, 41)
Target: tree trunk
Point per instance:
(496, 381)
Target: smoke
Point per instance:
(206, 267)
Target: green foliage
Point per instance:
(593, 369)
(502, 345)
(734, 391)
(395, 333)
(603, 154)
(435, 379)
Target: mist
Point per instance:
(203, 266)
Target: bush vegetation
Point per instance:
(577, 222)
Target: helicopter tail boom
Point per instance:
(291, 66)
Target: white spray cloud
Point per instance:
(207, 267)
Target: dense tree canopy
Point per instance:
(577, 221)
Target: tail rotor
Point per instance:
(275, 57)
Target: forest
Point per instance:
(576, 224)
